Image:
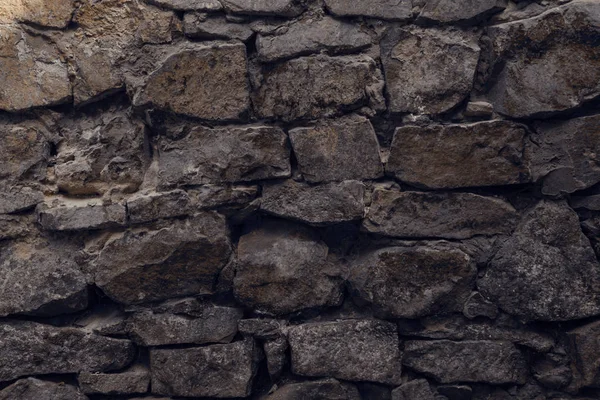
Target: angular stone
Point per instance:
(478, 306)
(282, 268)
(456, 392)
(131, 381)
(32, 71)
(188, 5)
(224, 155)
(453, 156)
(413, 282)
(469, 361)
(197, 25)
(182, 258)
(284, 8)
(15, 226)
(275, 353)
(68, 217)
(29, 348)
(24, 152)
(385, 9)
(564, 155)
(585, 356)
(41, 277)
(590, 203)
(337, 150)
(354, 350)
(441, 215)
(428, 70)
(35, 389)
(53, 14)
(262, 328)
(14, 199)
(327, 389)
(546, 64)
(549, 266)
(148, 207)
(319, 86)
(451, 11)
(317, 205)
(479, 109)
(312, 36)
(417, 389)
(221, 370)
(204, 80)
(215, 196)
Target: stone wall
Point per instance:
(300, 199)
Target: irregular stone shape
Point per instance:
(456, 392)
(312, 36)
(453, 156)
(215, 196)
(212, 324)
(584, 353)
(336, 150)
(385, 9)
(319, 86)
(284, 8)
(24, 152)
(479, 109)
(275, 353)
(188, 5)
(413, 282)
(478, 306)
(152, 206)
(204, 80)
(262, 328)
(221, 370)
(564, 155)
(224, 155)
(14, 199)
(441, 215)
(182, 258)
(35, 389)
(549, 266)
(29, 348)
(591, 203)
(66, 217)
(282, 268)
(428, 70)
(545, 64)
(32, 72)
(197, 25)
(317, 205)
(417, 389)
(134, 380)
(101, 151)
(41, 277)
(53, 14)
(327, 389)
(493, 362)
(15, 226)
(448, 11)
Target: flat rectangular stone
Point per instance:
(384, 9)
(67, 217)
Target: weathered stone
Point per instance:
(285, 8)
(188, 5)
(319, 86)
(203, 80)
(453, 156)
(327, 389)
(447, 11)
(469, 361)
(221, 370)
(222, 155)
(336, 150)
(312, 35)
(417, 389)
(148, 207)
(15, 226)
(32, 71)
(479, 109)
(456, 392)
(104, 320)
(564, 155)
(275, 353)
(413, 282)
(211, 324)
(215, 196)
(196, 25)
(549, 266)
(14, 199)
(385, 9)
(35, 389)
(53, 14)
(324, 204)
(545, 64)
(354, 350)
(24, 152)
(428, 71)
(585, 356)
(591, 203)
(41, 277)
(478, 306)
(182, 258)
(29, 348)
(131, 381)
(441, 215)
(67, 217)
(282, 268)
(262, 328)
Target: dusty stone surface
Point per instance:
(186, 5)
(131, 381)
(88, 217)
(148, 207)
(327, 389)
(384, 9)
(35, 389)
(14, 199)
(199, 25)
(54, 14)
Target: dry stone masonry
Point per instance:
(300, 199)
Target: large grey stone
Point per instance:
(318, 86)
(547, 270)
(282, 268)
(338, 149)
(326, 389)
(14, 199)
(35, 389)
(285, 8)
(452, 156)
(452, 11)
(439, 215)
(385, 9)
(146, 207)
(62, 216)
(220, 370)
(354, 350)
(29, 348)
(131, 381)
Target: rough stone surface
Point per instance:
(14, 199)
(446, 11)
(384, 9)
(215, 196)
(418, 389)
(327, 389)
(354, 350)
(72, 218)
(152, 206)
(134, 380)
(198, 25)
(35, 389)
(583, 346)
(186, 5)
(285, 8)
(453, 156)
(275, 353)
(441, 215)
(53, 14)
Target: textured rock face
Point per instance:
(197, 25)
(328, 389)
(385, 9)
(35, 389)
(418, 389)
(135, 380)
(464, 11)
(185, 5)
(285, 8)
(95, 216)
